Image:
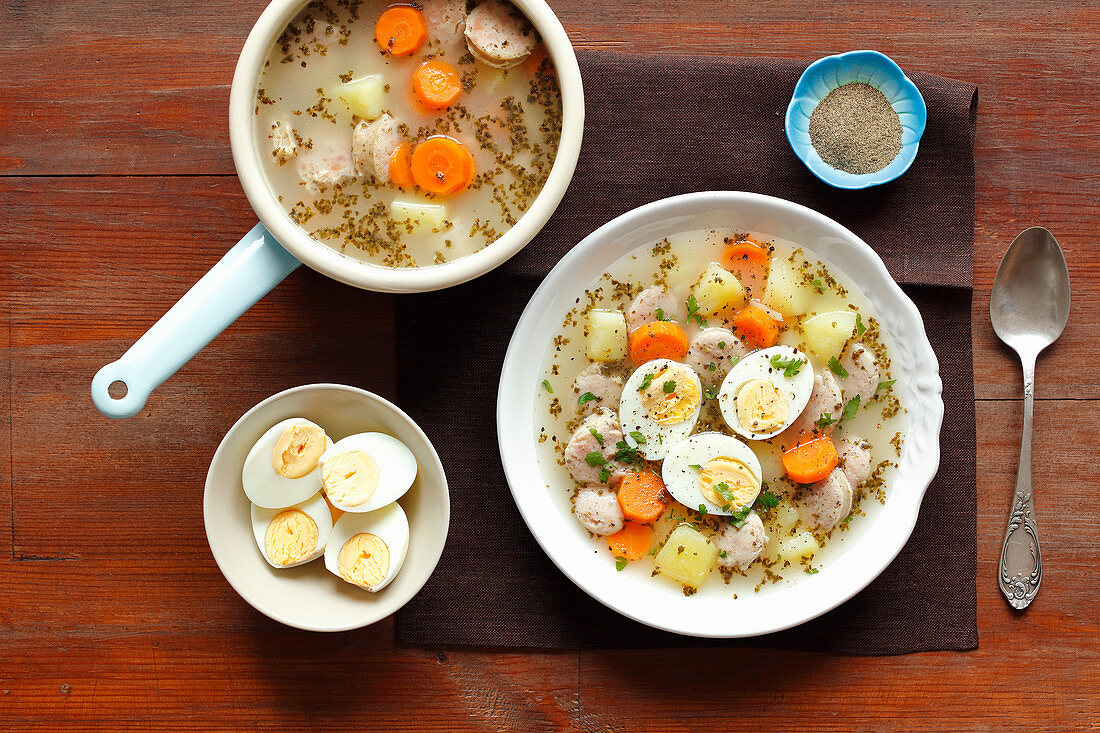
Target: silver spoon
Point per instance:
(1029, 308)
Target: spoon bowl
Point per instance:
(1030, 303)
(1029, 308)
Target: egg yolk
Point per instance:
(364, 560)
(290, 538)
(297, 450)
(727, 481)
(761, 407)
(671, 397)
(350, 478)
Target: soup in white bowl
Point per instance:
(848, 559)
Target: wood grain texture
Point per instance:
(117, 193)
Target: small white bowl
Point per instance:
(308, 596)
(660, 605)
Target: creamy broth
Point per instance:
(676, 263)
(508, 119)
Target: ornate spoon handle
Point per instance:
(1021, 565)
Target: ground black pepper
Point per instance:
(855, 129)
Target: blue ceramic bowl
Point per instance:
(870, 67)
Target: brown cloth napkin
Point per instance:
(655, 127)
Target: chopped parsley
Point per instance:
(595, 458)
(850, 408)
(661, 314)
(723, 490)
(825, 420)
(818, 285)
(837, 368)
(712, 367)
(886, 385)
(812, 571)
(597, 436)
(586, 397)
(638, 437)
(722, 554)
(547, 387)
(696, 466)
(703, 510)
(860, 328)
(721, 344)
(693, 311)
(646, 381)
(605, 474)
(669, 387)
(620, 563)
(710, 393)
(625, 454)
(789, 367)
(766, 500)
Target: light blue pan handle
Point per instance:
(245, 274)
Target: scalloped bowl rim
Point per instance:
(276, 593)
(562, 537)
(809, 156)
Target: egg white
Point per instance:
(396, 467)
(633, 418)
(757, 365)
(266, 488)
(314, 507)
(389, 523)
(682, 481)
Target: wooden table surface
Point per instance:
(118, 192)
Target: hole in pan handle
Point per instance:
(245, 274)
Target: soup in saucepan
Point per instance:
(409, 134)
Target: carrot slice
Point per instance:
(631, 542)
(748, 261)
(400, 30)
(657, 340)
(756, 325)
(437, 84)
(810, 460)
(401, 166)
(643, 497)
(442, 165)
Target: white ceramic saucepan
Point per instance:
(276, 246)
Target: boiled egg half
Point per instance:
(712, 470)
(293, 535)
(366, 471)
(766, 391)
(368, 549)
(282, 468)
(659, 406)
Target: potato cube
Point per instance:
(424, 216)
(827, 333)
(687, 556)
(786, 515)
(801, 545)
(606, 340)
(718, 290)
(364, 97)
(786, 292)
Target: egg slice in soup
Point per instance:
(712, 470)
(368, 549)
(659, 407)
(292, 535)
(766, 391)
(366, 471)
(281, 468)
